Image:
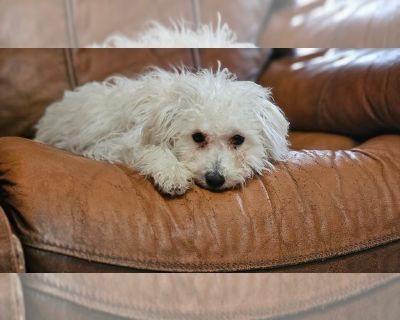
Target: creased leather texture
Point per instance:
(289, 216)
(202, 296)
(334, 24)
(11, 297)
(11, 256)
(350, 92)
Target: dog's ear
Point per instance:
(274, 130)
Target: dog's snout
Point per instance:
(214, 180)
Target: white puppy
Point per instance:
(176, 127)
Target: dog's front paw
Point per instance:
(175, 182)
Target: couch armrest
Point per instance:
(315, 206)
(11, 255)
(11, 297)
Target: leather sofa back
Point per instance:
(75, 23)
(334, 24)
(268, 23)
(350, 92)
(31, 79)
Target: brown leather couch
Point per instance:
(75, 23)
(293, 296)
(334, 206)
(267, 23)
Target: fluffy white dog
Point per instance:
(176, 127)
(179, 35)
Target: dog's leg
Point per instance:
(169, 175)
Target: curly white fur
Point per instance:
(148, 123)
(180, 35)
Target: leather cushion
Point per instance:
(319, 204)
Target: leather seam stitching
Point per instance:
(71, 30)
(70, 69)
(289, 261)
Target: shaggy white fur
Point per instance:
(176, 127)
(180, 35)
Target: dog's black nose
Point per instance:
(214, 180)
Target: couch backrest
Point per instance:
(350, 92)
(31, 79)
(268, 23)
(74, 23)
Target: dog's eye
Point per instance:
(198, 137)
(237, 140)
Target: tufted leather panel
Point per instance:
(278, 219)
(350, 92)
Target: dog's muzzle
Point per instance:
(214, 180)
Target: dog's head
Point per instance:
(222, 129)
